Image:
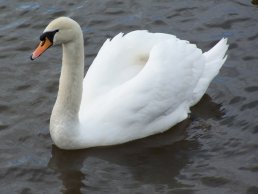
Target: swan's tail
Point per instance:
(217, 53)
(214, 59)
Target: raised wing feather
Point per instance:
(156, 97)
(118, 61)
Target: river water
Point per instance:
(214, 151)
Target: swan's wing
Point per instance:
(156, 98)
(214, 59)
(118, 61)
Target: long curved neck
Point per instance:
(65, 111)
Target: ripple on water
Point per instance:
(3, 126)
(214, 181)
(249, 58)
(228, 23)
(252, 190)
(3, 108)
(23, 87)
(56, 12)
(251, 89)
(25, 8)
(237, 99)
(114, 11)
(253, 37)
(249, 105)
(28, 6)
(255, 129)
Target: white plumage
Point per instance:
(139, 84)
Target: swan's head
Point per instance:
(60, 31)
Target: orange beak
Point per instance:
(42, 47)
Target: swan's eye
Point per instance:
(49, 34)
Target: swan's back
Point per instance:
(143, 83)
(119, 60)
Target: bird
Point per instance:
(139, 84)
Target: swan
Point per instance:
(139, 84)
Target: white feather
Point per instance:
(139, 84)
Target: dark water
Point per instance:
(214, 151)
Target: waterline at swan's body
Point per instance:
(139, 84)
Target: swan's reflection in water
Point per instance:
(148, 165)
(68, 165)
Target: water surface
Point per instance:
(214, 151)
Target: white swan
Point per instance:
(139, 84)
